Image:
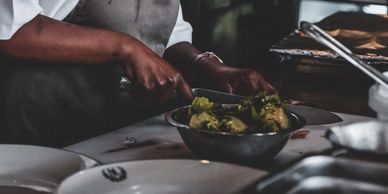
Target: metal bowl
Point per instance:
(367, 139)
(232, 146)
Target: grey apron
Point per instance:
(56, 105)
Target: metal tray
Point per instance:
(324, 174)
(362, 33)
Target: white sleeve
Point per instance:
(182, 31)
(15, 13)
(57, 9)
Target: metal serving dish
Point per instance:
(236, 147)
(364, 140)
(324, 174)
(364, 34)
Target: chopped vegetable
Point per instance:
(204, 120)
(261, 113)
(235, 125)
(199, 105)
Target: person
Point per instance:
(62, 63)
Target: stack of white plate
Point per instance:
(161, 177)
(40, 170)
(28, 169)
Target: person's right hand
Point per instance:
(85, 45)
(154, 77)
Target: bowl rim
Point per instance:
(168, 118)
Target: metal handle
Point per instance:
(322, 37)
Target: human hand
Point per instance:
(155, 79)
(239, 81)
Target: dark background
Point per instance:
(241, 33)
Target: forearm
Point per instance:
(48, 40)
(183, 56)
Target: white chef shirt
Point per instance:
(15, 13)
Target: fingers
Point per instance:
(164, 98)
(156, 86)
(250, 83)
(185, 89)
(271, 89)
(169, 86)
(155, 77)
(267, 87)
(144, 84)
(253, 83)
(228, 88)
(176, 82)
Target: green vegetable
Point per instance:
(260, 113)
(204, 120)
(235, 125)
(274, 118)
(199, 105)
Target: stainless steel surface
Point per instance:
(323, 174)
(367, 40)
(314, 116)
(367, 137)
(232, 146)
(217, 96)
(322, 37)
(213, 95)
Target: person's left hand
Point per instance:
(239, 81)
(210, 72)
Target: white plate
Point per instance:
(26, 169)
(161, 177)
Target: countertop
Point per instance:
(156, 139)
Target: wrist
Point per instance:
(207, 54)
(208, 62)
(125, 50)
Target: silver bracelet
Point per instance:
(207, 54)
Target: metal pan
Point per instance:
(357, 164)
(322, 37)
(322, 175)
(368, 140)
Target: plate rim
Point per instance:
(151, 161)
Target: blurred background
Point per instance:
(242, 31)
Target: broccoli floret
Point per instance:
(204, 120)
(274, 118)
(272, 99)
(199, 105)
(234, 125)
(265, 110)
(262, 112)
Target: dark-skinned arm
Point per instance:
(214, 74)
(47, 40)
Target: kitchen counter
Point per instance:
(154, 138)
